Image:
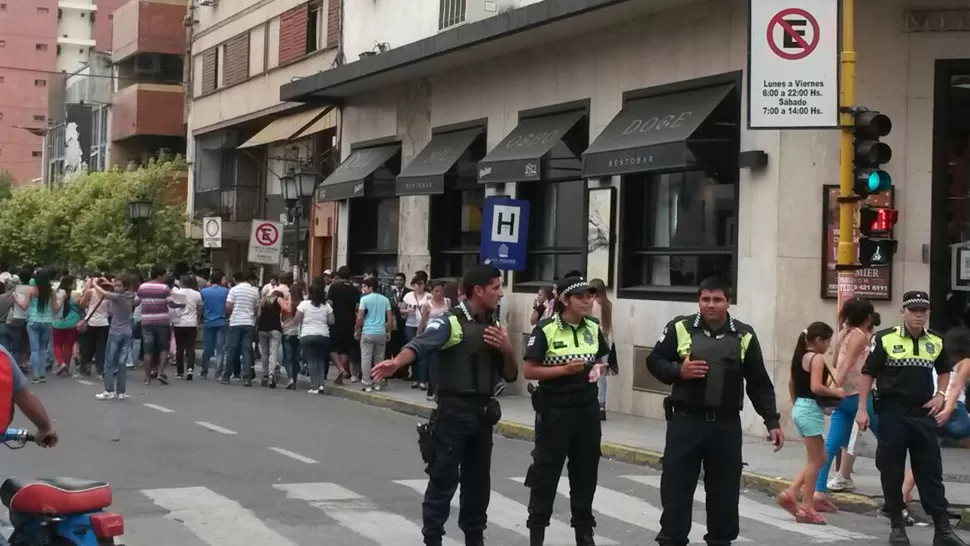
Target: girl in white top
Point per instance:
(315, 317)
(411, 308)
(185, 323)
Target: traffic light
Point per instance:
(870, 153)
(876, 245)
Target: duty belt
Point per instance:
(709, 415)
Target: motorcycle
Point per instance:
(57, 511)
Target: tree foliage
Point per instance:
(84, 222)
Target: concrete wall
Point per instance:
(400, 22)
(75, 33)
(779, 231)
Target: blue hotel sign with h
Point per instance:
(505, 233)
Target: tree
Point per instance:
(7, 182)
(84, 223)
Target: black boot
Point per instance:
(537, 537)
(897, 535)
(584, 537)
(474, 539)
(944, 535)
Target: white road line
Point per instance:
(85, 382)
(156, 407)
(773, 516)
(293, 455)
(215, 519)
(631, 510)
(508, 514)
(358, 514)
(216, 428)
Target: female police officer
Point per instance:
(566, 354)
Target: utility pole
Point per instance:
(845, 263)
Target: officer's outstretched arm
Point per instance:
(664, 362)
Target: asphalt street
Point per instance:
(199, 463)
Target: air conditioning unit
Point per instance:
(148, 64)
(476, 10)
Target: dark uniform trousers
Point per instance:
(564, 431)
(462, 454)
(711, 439)
(902, 428)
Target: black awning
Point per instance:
(426, 172)
(519, 157)
(653, 133)
(348, 180)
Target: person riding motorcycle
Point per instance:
(14, 391)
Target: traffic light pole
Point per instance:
(847, 200)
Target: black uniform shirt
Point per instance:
(905, 376)
(664, 363)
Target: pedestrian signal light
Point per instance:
(870, 153)
(877, 221)
(876, 252)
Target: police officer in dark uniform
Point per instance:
(707, 358)
(901, 361)
(566, 353)
(473, 353)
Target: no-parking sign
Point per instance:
(265, 242)
(793, 64)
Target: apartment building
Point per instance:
(127, 101)
(243, 139)
(28, 60)
(624, 125)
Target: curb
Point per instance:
(849, 502)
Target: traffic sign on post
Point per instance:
(265, 242)
(793, 63)
(505, 233)
(212, 232)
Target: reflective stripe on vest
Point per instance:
(563, 347)
(457, 334)
(903, 351)
(684, 339)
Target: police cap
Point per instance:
(916, 299)
(573, 285)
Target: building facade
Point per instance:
(536, 99)
(28, 62)
(243, 138)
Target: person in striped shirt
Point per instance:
(241, 308)
(155, 297)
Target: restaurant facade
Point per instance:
(624, 125)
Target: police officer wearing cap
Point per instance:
(473, 352)
(707, 357)
(566, 353)
(901, 362)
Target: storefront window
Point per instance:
(680, 228)
(557, 229)
(456, 235)
(373, 234)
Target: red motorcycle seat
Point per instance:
(54, 495)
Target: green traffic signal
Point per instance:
(870, 153)
(879, 181)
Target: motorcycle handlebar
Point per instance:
(18, 435)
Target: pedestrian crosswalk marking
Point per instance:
(358, 514)
(773, 516)
(631, 510)
(215, 519)
(508, 514)
(85, 382)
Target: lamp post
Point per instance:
(297, 188)
(138, 212)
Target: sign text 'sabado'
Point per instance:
(793, 65)
(265, 242)
(505, 230)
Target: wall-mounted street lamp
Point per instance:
(297, 188)
(139, 210)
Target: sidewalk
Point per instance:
(640, 440)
